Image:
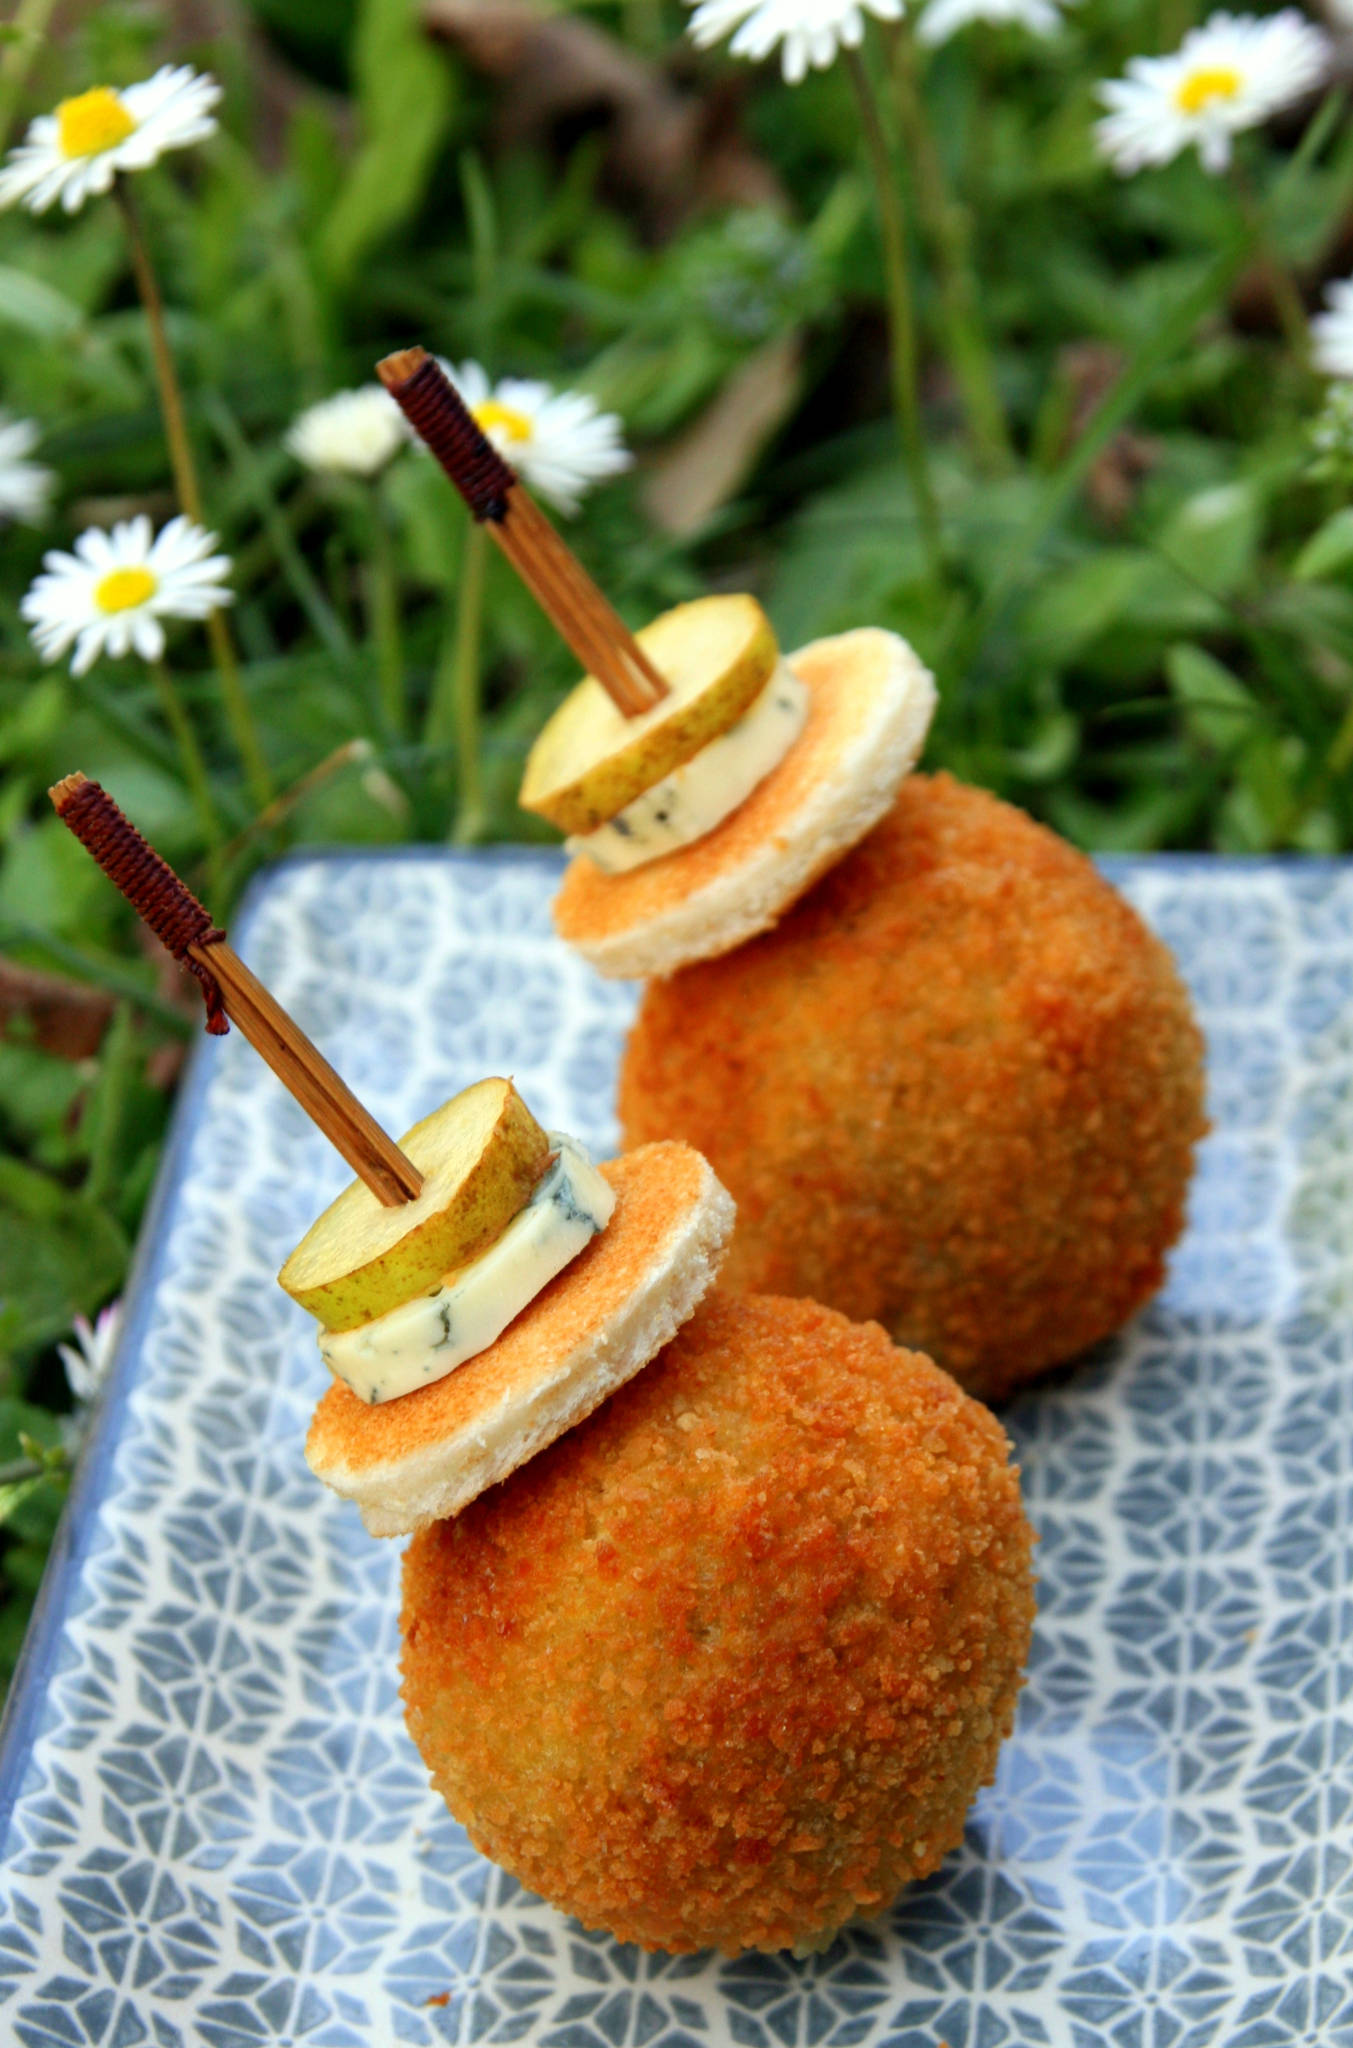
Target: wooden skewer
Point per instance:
(580, 613)
(181, 924)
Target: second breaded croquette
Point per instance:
(957, 1089)
(726, 1665)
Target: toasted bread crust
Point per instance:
(870, 702)
(427, 1454)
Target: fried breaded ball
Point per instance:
(957, 1089)
(727, 1663)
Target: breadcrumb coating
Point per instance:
(957, 1089)
(726, 1665)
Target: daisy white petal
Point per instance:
(146, 635)
(471, 380)
(132, 538)
(1231, 74)
(557, 441)
(93, 547)
(111, 595)
(354, 433)
(1332, 331)
(87, 650)
(75, 153)
(88, 1359)
(25, 487)
(944, 18)
(810, 34)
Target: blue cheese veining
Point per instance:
(428, 1337)
(705, 790)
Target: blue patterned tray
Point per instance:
(214, 1827)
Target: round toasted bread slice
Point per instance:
(870, 704)
(428, 1454)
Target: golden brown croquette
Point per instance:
(957, 1089)
(727, 1663)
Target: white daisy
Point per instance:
(111, 594)
(557, 441)
(25, 487)
(811, 32)
(1230, 74)
(76, 152)
(354, 433)
(88, 1359)
(1332, 331)
(944, 18)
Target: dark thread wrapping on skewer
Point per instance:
(432, 405)
(150, 885)
(496, 497)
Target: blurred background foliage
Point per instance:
(1145, 629)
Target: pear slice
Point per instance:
(716, 655)
(480, 1156)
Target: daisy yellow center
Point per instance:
(121, 590)
(1195, 94)
(512, 425)
(92, 122)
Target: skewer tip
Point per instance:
(62, 792)
(403, 363)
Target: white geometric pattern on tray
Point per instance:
(219, 1831)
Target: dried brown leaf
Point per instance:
(704, 466)
(671, 150)
(1091, 369)
(59, 1016)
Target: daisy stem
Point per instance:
(194, 767)
(383, 618)
(1277, 271)
(350, 754)
(948, 227)
(454, 710)
(902, 349)
(239, 716)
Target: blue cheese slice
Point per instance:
(424, 1339)
(705, 790)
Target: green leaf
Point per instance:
(1138, 822)
(48, 879)
(36, 308)
(54, 1263)
(1074, 606)
(12, 1497)
(406, 97)
(1260, 809)
(1329, 549)
(854, 554)
(432, 522)
(1217, 708)
(1049, 751)
(35, 720)
(38, 1092)
(1213, 537)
